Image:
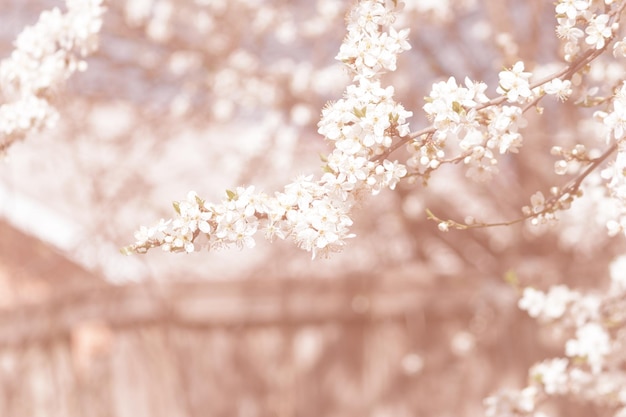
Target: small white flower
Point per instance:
(566, 29)
(512, 402)
(533, 301)
(618, 273)
(616, 119)
(557, 300)
(562, 89)
(571, 8)
(597, 31)
(537, 202)
(592, 343)
(552, 375)
(514, 84)
(619, 49)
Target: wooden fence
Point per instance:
(358, 346)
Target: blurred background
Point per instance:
(207, 95)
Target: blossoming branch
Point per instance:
(367, 126)
(45, 56)
(315, 213)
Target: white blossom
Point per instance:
(552, 374)
(618, 274)
(598, 32)
(615, 120)
(514, 84)
(619, 48)
(571, 8)
(592, 343)
(562, 89)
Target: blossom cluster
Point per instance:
(586, 24)
(304, 211)
(467, 122)
(615, 173)
(45, 56)
(476, 128)
(315, 214)
(367, 51)
(593, 364)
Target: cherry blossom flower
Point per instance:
(571, 8)
(533, 301)
(618, 274)
(552, 374)
(562, 89)
(597, 31)
(592, 343)
(616, 119)
(619, 48)
(512, 402)
(514, 84)
(566, 29)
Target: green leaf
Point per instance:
(231, 195)
(510, 277)
(176, 205)
(360, 112)
(127, 250)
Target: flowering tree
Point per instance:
(467, 124)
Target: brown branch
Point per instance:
(553, 204)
